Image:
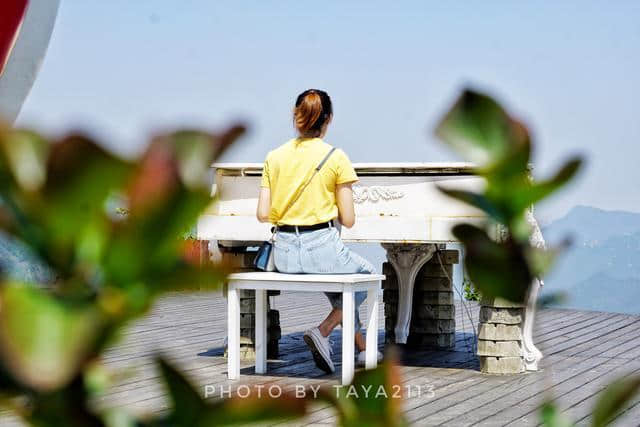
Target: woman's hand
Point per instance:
(264, 204)
(344, 200)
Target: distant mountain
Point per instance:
(604, 293)
(601, 270)
(588, 225)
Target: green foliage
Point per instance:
(610, 402)
(376, 407)
(481, 131)
(504, 266)
(189, 409)
(58, 200)
(469, 291)
(551, 417)
(613, 399)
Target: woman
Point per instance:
(304, 206)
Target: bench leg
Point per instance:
(371, 354)
(348, 336)
(233, 341)
(261, 331)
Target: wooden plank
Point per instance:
(573, 390)
(579, 404)
(583, 350)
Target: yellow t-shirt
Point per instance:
(288, 167)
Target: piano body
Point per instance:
(397, 205)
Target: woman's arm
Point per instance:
(264, 204)
(344, 200)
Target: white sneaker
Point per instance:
(361, 359)
(320, 349)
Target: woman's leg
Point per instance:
(335, 316)
(333, 256)
(334, 319)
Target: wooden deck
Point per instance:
(583, 352)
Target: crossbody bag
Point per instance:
(264, 258)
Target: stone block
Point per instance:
(497, 302)
(436, 270)
(246, 293)
(248, 353)
(501, 365)
(433, 326)
(422, 284)
(507, 316)
(428, 311)
(247, 320)
(247, 305)
(448, 256)
(432, 284)
(435, 297)
(421, 297)
(249, 293)
(499, 348)
(390, 282)
(425, 318)
(431, 340)
(427, 270)
(499, 332)
(273, 333)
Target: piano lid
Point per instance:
(364, 169)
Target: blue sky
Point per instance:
(123, 70)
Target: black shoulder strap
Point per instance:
(325, 159)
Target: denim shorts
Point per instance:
(320, 252)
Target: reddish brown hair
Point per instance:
(313, 109)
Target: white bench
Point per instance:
(346, 284)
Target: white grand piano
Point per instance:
(397, 205)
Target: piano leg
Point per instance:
(407, 260)
(531, 354)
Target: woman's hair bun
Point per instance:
(313, 109)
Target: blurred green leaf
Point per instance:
(196, 150)
(62, 201)
(478, 200)
(551, 417)
(373, 398)
(66, 406)
(188, 406)
(477, 128)
(524, 197)
(497, 270)
(193, 151)
(189, 409)
(96, 378)
(613, 399)
(150, 245)
(43, 341)
(514, 164)
(80, 178)
(24, 153)
(180, 213)
(541, 260)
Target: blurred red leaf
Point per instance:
(155, 179)
(11, 15)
